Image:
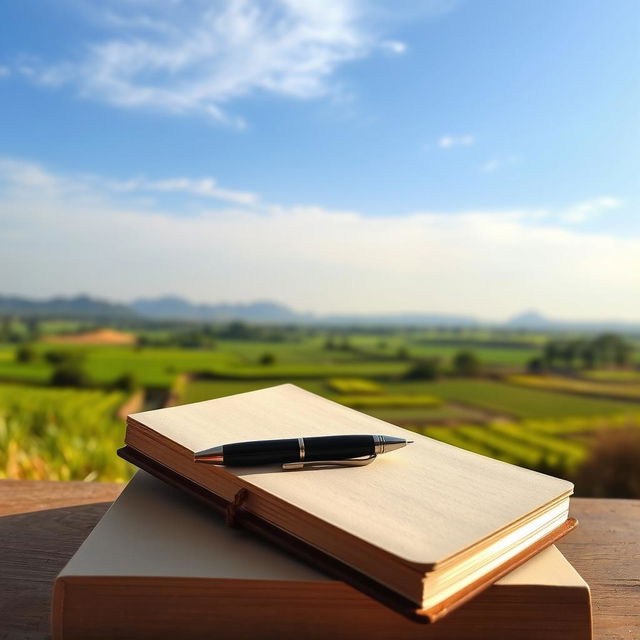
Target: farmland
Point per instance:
(59, 434)
(416, 379)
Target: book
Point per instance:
(424, 529)
(160, 565)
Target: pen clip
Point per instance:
(314, 464)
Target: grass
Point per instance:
(522, 402)
(354, 386)
(199, 390)
(612, 375)
(490, 356)
(388, 401)
(60, 434)
(73, 434)
(230, 360)
(418, 416)
(609, 389)
(549, 445)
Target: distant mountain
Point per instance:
(535, 320)
(400, 319)
(175, 308)
(81, 307)
(530, 319)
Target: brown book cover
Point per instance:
(159, 565)
(429, 526)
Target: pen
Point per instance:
(296, 453)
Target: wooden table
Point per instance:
(43, 523)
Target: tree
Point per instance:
(33, 328)
(466, 364)
(69, 374)
(57, 357)
(551, 352)
(402, 353)
(127, 382)
(536, 366)
(26, 353)
(267, 359)
(568, 352)
(588, 356)
(427, 369)
(622, 356)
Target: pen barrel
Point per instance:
(242, 454)
(296, 449)
(337, 447)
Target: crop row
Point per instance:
(60, 434)
(535, 444)
(624, 391)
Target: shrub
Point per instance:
(69, 374)
(466, 364)
(267, 359)
(427, 369)
(62, 356)
(25, 353)
(127, 382)
(612, 468)
(402, 353)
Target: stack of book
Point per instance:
(431, 533)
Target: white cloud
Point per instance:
(67, 234)
(394, 46)
(203, 187)
(191, 56)
(448, 142)
(4, 71)
(589, 209)
(499, 162)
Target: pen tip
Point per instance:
(409, 441)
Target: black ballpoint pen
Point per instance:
(296, 453)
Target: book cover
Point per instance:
(161, 565)
(433, 523)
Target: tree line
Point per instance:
(603, 351)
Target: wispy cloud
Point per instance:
(4, 71)
(190, 56)
(589, 209)
(448, 142)
(393, 46)
(499, 162)
(64, 234)
(202, 187)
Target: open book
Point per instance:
(160, 565)
(431, 524)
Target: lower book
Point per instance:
(161, 565)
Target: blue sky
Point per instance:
(469, 156)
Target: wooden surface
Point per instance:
(43, 523)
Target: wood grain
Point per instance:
(42, 524)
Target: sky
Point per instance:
(454, 156)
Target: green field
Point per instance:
(521, 402)
(492, 397)
(611, 375)
(159, 366)
(558, 446)
(60, 434)
(543, 422)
